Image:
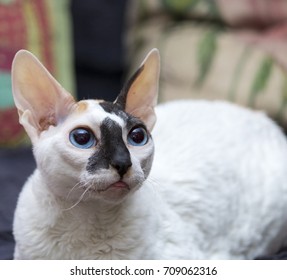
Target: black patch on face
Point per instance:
(112, 150)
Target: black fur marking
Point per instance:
(114, 108)
(118, 107)
(112, 150)
(122, 98)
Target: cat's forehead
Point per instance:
(94, 112)
(97, 111)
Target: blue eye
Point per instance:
(137, 136)
(82, 138)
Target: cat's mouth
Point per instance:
(117, 185)
(114, 192)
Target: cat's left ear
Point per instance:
(40, 99)
(139, 95)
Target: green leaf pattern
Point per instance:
(183, 7)
(180, 6)
(239, 68)
(283, 99)
(261, 80)
(206, 50)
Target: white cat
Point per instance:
(217, 188)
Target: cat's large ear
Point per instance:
(139, 95)
(39, 98)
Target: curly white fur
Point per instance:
(217, 189)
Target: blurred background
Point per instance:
(232, 50)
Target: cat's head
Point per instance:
(90, 149)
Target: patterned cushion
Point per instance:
(43, 27)
(203, 57)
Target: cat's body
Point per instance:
(217, 187)
(225, 178)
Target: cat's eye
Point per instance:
(137, 136)
(82, 138)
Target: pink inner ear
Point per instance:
(40, 105)
(53, 109)
(37, 92)
(47, 121)
(142, 94)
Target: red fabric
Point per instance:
(14, 35)
(11, 131)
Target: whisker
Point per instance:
(153, 181)
(79, 200)
(79, 184)
(154, 185)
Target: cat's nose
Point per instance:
(121, 165)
